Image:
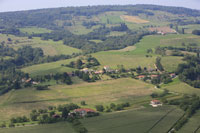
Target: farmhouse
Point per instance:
(84, 111)
(155, 103)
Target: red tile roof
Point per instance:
(141, 76)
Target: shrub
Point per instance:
(11, 125)
(3, 125)
(83, 103)
(100, 108)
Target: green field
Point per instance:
(18, 102)
(49, 47)
(136, 57)
(192, 125)
(182, 88)
(155, 120)
(50, 128)
(34, 30)
(48, 68)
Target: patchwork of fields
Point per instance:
(130, 58)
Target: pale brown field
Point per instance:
(133, 19)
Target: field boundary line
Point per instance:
(175, 123)
(197, 129)
(159, 120)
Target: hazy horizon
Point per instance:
(18, 5)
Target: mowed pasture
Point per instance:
(155, 120)
(49, 47)
(133, 19)
(18, 102)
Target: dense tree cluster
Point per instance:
(11, 79)
(121, 27)
(196, 32)
(189, 72)
(22, 56)
(90, 24)
(85, 76)
(158, 64)
(62, 77)
(88, 62)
